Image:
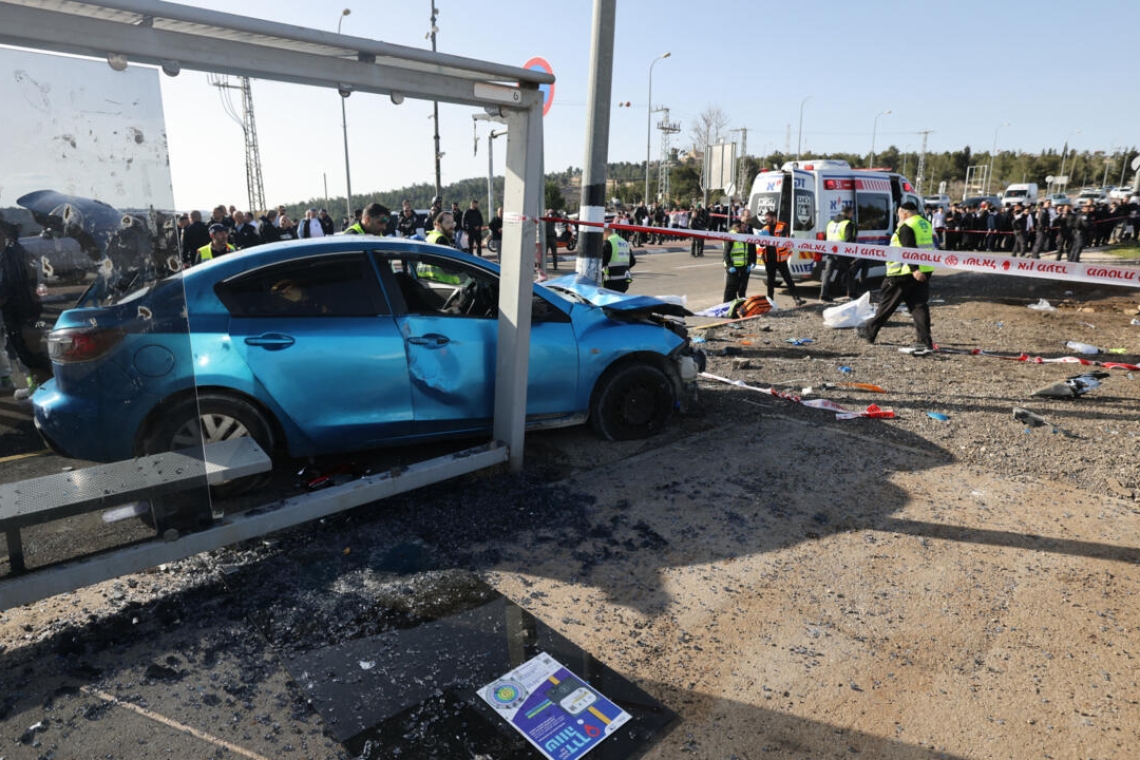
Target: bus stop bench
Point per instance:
(65, 494)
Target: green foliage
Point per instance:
(552, 197)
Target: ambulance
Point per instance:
(822, 187)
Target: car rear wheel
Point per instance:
(213, 418)
(632, 401)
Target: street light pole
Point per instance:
(344, 127)
(435, 104)
(990, 173)
(800, 136)
(874, 130)
(648, 121)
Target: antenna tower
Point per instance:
(666, 128)
(255, 186)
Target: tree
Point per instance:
(553, 197)
(708, 129)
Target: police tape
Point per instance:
(1026, 358)
(968, 261)
(873, 411)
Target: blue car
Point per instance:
(349, 343)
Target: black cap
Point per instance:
(217, 228)
(909, 206)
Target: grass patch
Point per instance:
(1126, 250)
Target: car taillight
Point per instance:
(81, 344)
(820, 236)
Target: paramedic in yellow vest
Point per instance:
(617, 260)
(373, 221)
(739, 260)
(219, 244)
(776, 259)
(907, 283)
(443, 234)
(839, 272)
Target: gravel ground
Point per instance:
(791, 585)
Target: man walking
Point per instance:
(906, 283)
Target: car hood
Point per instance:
(613, 301)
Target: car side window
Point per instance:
(437, 285)
(328, 286)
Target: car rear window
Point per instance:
(330, 286)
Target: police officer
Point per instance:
(839, 268)
(617, 260)
(906, 283)
(219, 244)
(373, 221)
(739, 260)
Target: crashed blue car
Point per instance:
(349, 343)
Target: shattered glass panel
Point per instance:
(92, 319)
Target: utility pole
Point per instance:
(255, 187)
(593, 202)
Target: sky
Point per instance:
(1052, 72)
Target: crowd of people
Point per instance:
(1034, 229)
(229, 229)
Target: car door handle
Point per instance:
(431, 339)
(270, 341)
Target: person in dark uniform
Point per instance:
(617, 260)
(473, 227)
(698, 220)
(906, 283)
(739, 261)
(1041, 229)
(1020, 230)
(839, 269)
(21, 307)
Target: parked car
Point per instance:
(347, 343)
(1093, 194)
(1122, 193)
(1059, 199)
(934, 201)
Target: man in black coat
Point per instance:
(473, 227)
(196, 235)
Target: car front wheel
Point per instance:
(632, 401)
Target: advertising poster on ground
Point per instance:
(557, 712)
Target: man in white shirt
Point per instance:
(311, 226)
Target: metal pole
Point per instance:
(993, 151)
(874, 129)
(491, 169)
(435, 106)
(648, 122)
(593, 203)
(344, 126)
(800, 137)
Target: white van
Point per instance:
(822, 189)
(934, 201)
(1024, 193)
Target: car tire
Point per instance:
(224, 417)
(631, 401)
